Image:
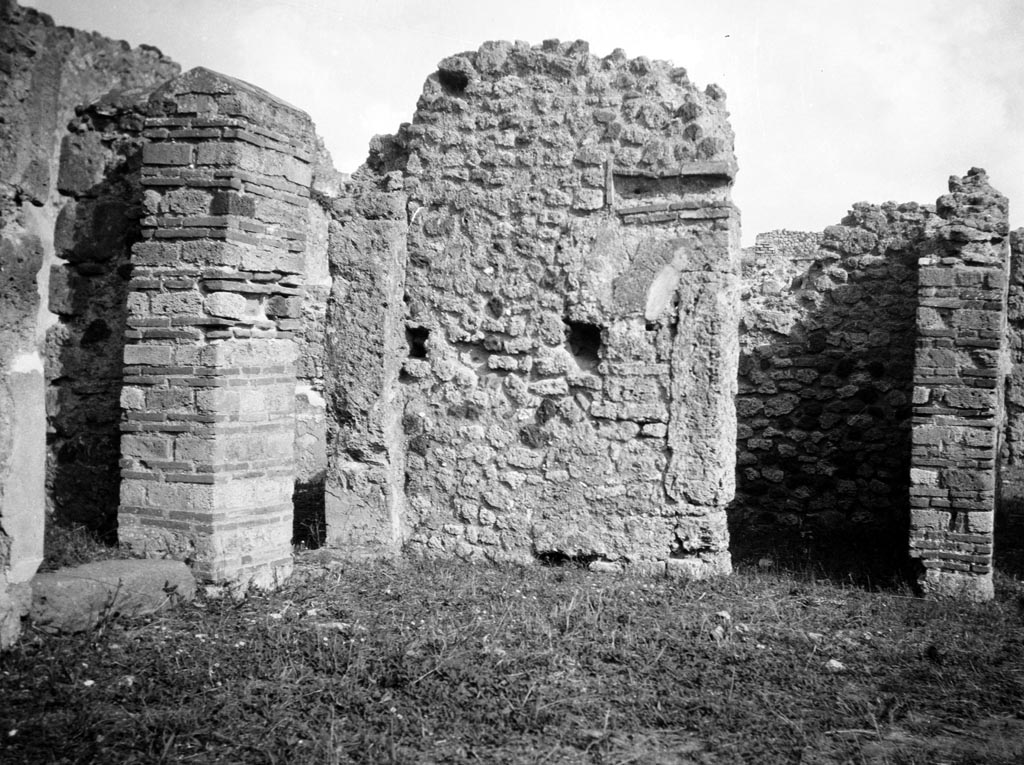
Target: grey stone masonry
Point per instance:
(541, 276)
(365, 350)
(215, 301)
(826, 365)
(46, 71)
(1011, 465)
(958, 373)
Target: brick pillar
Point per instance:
(215, 298)
(958, 372)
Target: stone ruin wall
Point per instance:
(824, 406)
(525, 338)
(870, 400)
(1011, 462)
(561, 382)
(45, 73)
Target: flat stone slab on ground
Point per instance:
(76, 599)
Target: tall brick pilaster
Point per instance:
(215, 297)
(958, 373)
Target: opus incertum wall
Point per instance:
(547, 261)
(215, 299)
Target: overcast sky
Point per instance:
(832, 102)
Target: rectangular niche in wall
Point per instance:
(584, 343)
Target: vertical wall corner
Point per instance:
(366, 349)
(214, 306)
(958, 381)
(22, 427)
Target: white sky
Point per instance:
(832, 101)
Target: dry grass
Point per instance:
(73, 545)
(434, 662)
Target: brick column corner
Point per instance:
(215, 301)
(958, 374)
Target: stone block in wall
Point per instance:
(22, 424)
(366, 345)
(83, 164)
(702, 432)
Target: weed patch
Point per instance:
(67, 545)
(442, 662)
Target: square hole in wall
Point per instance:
(584, 342)
(417, 338)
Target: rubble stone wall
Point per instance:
(1011, 464)
(216, 301)
(45, 73)
(98, 182)
(827, 353)
(570, 309)
(958, 383)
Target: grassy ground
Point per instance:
(432, 662)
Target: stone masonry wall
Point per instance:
(98, 181)
(958, 382)
(366, 346)
(511, 336)
(1011, 463)
(311, 369)
(827, 343)
(216, 299)
(570, 314)
(45, 72)
(21, 421)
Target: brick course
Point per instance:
(958, 379)
(208, 462)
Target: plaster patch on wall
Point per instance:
(27, 362)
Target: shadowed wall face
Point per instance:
(871, 388)
(1012, 455)
(100, 167)
(42, 81)
(827, 354)
(567, 326)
